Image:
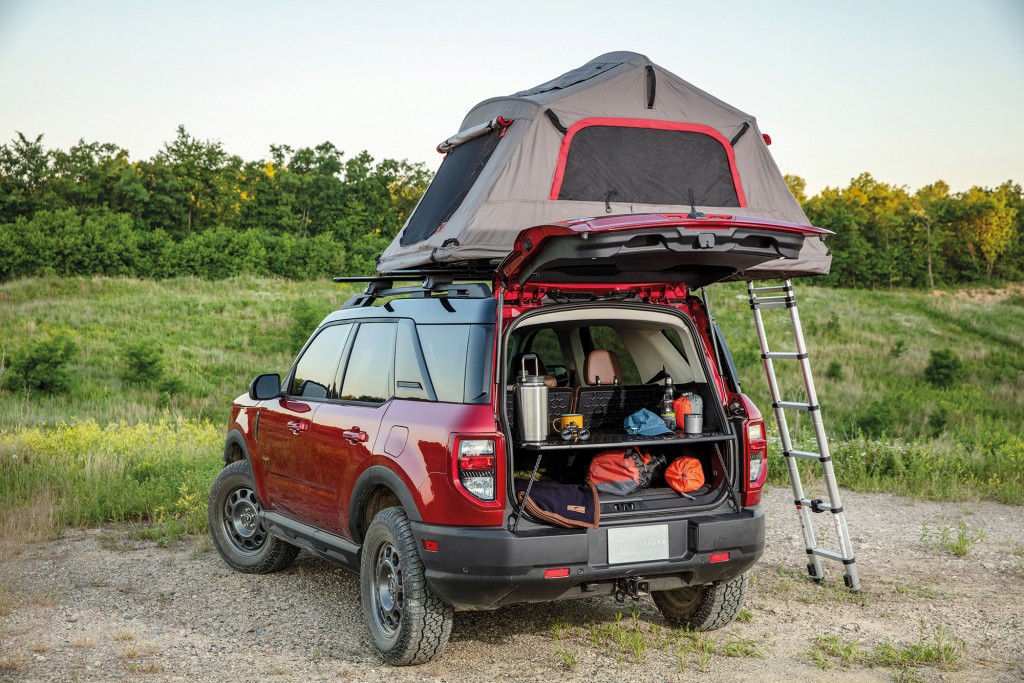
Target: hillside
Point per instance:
(183, 348)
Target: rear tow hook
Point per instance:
(634, 587)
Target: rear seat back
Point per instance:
(607, 407)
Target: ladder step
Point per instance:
(784, 296)
(805, 455)
(828, 553)
(792, 405)
(817, 505)
(785, 355)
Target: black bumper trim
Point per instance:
(486, 568)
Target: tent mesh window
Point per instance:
(459, 170)
(647, 166)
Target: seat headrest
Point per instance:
(602, 367)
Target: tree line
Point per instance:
(195, 209)
(888, 236)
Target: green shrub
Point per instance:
(42, 365)
(898, 348)
(143, 363)
(834, 371)
(880, 417)
(943, 369)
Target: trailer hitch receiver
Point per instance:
(634, 587)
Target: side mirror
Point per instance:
(265, 387)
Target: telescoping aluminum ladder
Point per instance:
(783, 297)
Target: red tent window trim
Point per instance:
(563, 152)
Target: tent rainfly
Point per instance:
(618, 135)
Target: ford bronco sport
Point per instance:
(391, 447)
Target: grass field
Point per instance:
(136, 433)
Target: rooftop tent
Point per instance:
(618, 135)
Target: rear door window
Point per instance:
(369, 372)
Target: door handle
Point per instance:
(298, 426)
(355, 435)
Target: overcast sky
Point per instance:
(909, 91)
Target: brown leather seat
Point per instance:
(602, 367)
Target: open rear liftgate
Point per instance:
(783, 297)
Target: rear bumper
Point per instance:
(486, 568)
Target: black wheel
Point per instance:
(238, 529)
(407, 622)
(703, 608)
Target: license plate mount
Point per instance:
(638, 544)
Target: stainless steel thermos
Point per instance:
(532, 397)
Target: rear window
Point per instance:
(647, 165)
(459, 170)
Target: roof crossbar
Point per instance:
(444, 285)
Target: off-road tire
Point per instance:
(407, 622)
(237, 528)
(703, 608)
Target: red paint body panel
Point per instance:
(338, 461)
(286, 456)
(426, 464)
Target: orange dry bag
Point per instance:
(685, 474)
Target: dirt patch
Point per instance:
(96, 605)
(983, 295)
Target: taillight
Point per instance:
(756, 446)
(477, 467)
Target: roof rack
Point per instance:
(440, 280)
(463, 271)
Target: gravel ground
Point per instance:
(95, 605)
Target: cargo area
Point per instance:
(602, 363)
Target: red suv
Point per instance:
(393, 448)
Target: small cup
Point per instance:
(565, 421)
(693, 423)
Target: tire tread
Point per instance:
(719, 604)
(426, 620)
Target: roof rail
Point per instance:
(443, 285)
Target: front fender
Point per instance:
(236, 439)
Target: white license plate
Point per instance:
(638, 544)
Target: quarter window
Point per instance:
(316, 370)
